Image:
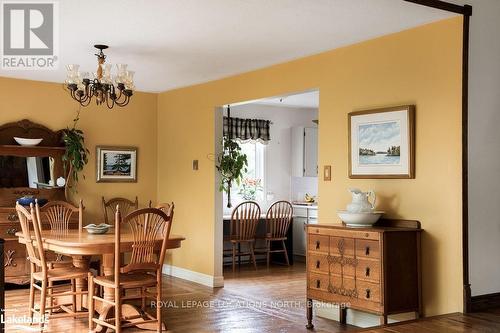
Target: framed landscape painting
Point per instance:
(116, 164)
(382, 143)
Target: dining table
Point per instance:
(81, 246)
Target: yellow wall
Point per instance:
(421, 66)
(134, 125)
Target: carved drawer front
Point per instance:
(318, 281)
(368, 291)
(373, 235)
(9, 216)
(367, 249)
(346, 269)
(341, 246)
(344, 286)
(368, 270)
(319, 243)
(8, 230)
(318, 263)
(15, 262)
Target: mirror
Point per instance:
(32, 172)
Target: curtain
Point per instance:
(247, 129)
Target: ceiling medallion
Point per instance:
(107, 89)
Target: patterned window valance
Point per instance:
(247, 129)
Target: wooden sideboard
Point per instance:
(15, 263)
(375, 269)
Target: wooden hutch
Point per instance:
(13, 186)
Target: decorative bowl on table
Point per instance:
(97, 229)
(29, 199)
(27, 142)
(359, 219)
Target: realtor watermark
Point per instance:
(236, 304)
(30, 35)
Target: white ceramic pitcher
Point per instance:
(360, 202)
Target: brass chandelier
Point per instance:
(105, 88)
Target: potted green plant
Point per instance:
(232, 164)
(76, 154)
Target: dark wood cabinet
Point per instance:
(375, 269)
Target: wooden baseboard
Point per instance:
(485, 302)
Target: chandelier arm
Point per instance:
(125, 102)
(112, 103)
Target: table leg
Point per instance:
(81, 284)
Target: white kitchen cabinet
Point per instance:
(302, 215)
(304, 152)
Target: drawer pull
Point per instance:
(11, 231)
(367, 272)
(317, 263)
(367, 251)
(318, 283)
(367, 293)
(12, 217)
(317, 244)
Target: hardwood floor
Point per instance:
(254, 301)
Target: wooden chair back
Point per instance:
(109, 208)
(30, 226)
(59, 213)
(147, 225)
(278, 219)
(164, 206)
(244, 220)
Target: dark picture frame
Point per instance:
(115, 164)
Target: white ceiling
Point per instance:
(308, 99)
(175, 43)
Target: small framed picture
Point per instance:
(116, 164)
(382, 143)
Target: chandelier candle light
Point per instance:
(102, 86)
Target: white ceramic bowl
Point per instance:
(359, 219)
(27, 142)
(97, 229)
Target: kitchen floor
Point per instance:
(254, 301)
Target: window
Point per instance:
(253, 185)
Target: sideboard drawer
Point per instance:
(368, 270)
(368, 291)
(9, 216)
(352, 233)
(318, 263)
(319, 243)
(319, 281)
(367, 248)
(8, 230)
(14, 258)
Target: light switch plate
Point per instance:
(195, 165)
(327, 173)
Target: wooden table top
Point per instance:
(83, 243)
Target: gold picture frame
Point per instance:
(382, 143)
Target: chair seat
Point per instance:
(62, 273)
(130, 280)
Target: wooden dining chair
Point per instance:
(109, 207)
(164, 206)
(58, 214)
(44, 274)
(243, 226)
(278, 219)
(143, 271)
